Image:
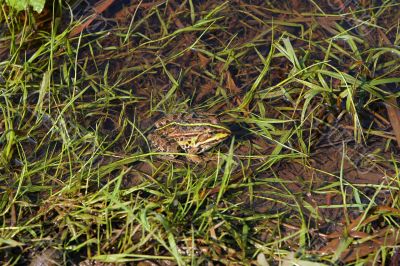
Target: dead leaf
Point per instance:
(175, 18)
(230, 83)
(203, 60)
(99, 8)
(328, 25)
(204, 90)
(394, 117)
(384, 236)
(389, 238)
(383, 37)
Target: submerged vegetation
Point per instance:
(309, 91)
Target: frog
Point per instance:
(191, 133)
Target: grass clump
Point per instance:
(310, 174)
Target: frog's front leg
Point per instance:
(196, 155)
(194, 158)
